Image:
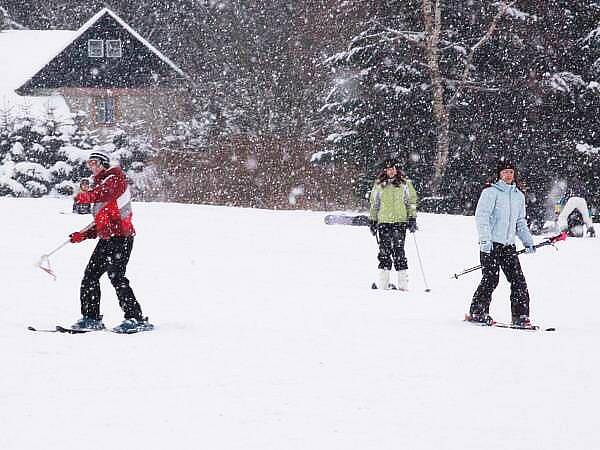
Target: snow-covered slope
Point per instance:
(269, 337)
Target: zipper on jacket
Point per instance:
(509, 214)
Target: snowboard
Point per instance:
(341, 219)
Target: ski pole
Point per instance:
(44, 262)
(376, 234)
(421, 264)
(57, 248)
(550, 241)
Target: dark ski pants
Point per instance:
(502, 257)
(110, 256)
(391, 246)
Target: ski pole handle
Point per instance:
(550, 241)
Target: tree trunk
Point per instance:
(433, 24)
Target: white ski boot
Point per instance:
(384, 279)
(403, 280)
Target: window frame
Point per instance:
(103, 115)
(100, 48)
(112, 42)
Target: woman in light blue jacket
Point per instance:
(500, 217)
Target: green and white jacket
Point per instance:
(393, 202)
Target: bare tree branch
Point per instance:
(501, 12)
(413, 37)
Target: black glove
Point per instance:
(412, 224)
(373, 227)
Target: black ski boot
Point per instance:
(129, 326)
(481, 319)
(522, 322)
(88, 323)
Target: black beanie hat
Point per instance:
(391, 162)
(504, 163)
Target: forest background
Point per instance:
(295, 103)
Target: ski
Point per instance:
(508, 325)
(73, 330)
(40, 330)
(516, 327)
(59, 329)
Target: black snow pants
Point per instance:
(391, 246)
(110, 256)
(502, 257)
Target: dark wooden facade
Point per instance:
(138, 66)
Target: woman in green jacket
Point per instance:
(393, 210)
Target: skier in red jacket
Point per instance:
(111, 206)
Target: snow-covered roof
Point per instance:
(23, 53)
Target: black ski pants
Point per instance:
(391, 246)
(501, 257)
(110, 256)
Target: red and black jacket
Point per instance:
(111, 207)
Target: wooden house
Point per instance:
(107, 70)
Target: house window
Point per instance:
(95, 48)
(105, 109)
(114, 48)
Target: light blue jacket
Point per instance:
(500, 216)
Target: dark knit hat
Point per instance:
(391, 162)
(101, 157)
(504, 163)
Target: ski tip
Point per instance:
(374, 286)
(30, 328)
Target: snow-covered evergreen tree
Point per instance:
(380, 101)
(519, 79)
(46, 156)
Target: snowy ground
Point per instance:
(269, 337)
